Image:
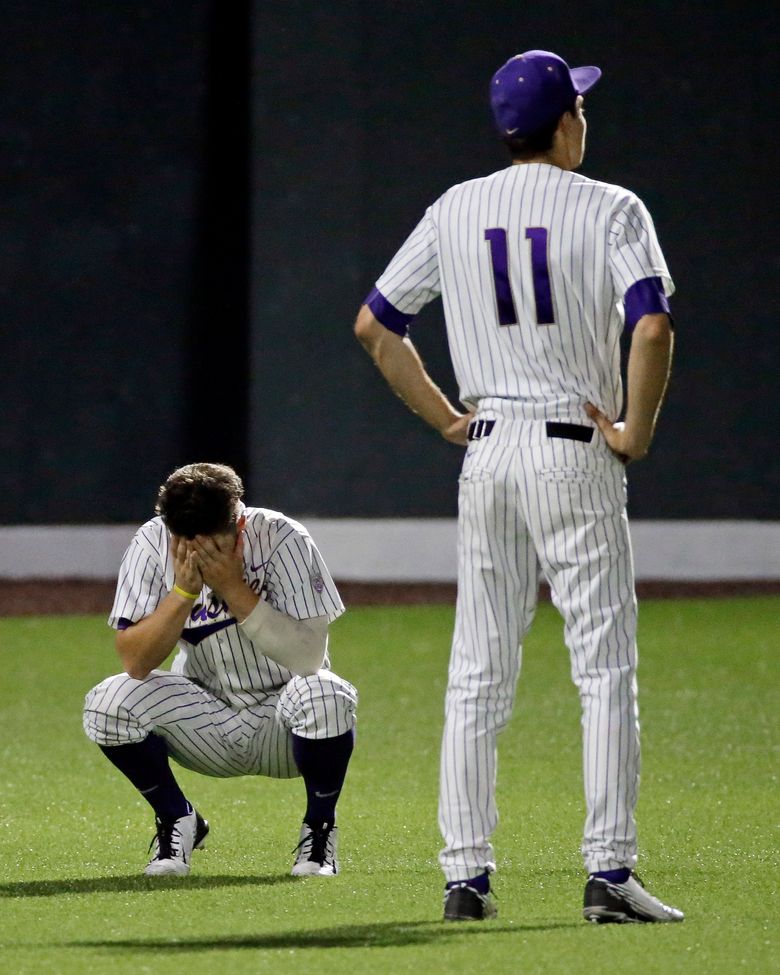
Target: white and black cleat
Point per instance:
(316, 852)
(173, 845)
(465, 903)
(626, 903)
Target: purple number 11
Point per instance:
(499, 258)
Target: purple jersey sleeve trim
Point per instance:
(393, 319)
(123, 624)
(645, 297)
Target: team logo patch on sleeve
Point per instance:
(317, 583)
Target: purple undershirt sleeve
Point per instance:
(393, 319)
(645, 297)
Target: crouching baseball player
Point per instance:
(246, 597)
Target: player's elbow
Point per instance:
(369, 331)
(137, 673)
(306, 671)
(134, 668)
(655, 329)
(308, 661)
(131, 665)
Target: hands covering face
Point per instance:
(220, 560)
(187, 573)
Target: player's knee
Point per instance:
(323, 705)
(107, 707)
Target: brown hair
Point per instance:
(539, 142)
(200, 499)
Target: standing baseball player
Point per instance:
(540, 270)
(246, 597)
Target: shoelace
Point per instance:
(168, 839)
(320, 848)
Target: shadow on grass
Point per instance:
(389, 934)
(133, 882)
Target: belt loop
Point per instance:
(478, 429)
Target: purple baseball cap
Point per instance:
(533, 89)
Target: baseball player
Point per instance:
(540, 270)
(246, 597)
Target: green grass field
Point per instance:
(74, 834)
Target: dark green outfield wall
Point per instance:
(196, 196)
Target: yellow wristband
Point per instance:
(183, 592)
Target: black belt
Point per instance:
(569, 431)
(564, 431)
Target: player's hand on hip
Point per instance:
(457, 432)
(619, 440)
(186, 571)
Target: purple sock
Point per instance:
(480, 883)
(145, 763)
(322, 763)
(613, 876)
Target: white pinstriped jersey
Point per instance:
(532, 263)
(281, 563)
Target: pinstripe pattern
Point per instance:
(206, 735)
(601, 241)
(225, 708)
(281, 563)
(322, 706)
(530, 504)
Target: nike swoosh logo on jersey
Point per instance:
(257, 568)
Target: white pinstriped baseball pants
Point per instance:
(206, 735)
(528, 502)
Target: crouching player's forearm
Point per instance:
(144, 645)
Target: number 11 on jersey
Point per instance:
(540, 272)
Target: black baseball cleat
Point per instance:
(464, 903)
(626, 903)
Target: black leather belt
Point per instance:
(564, 431)
(569, 431)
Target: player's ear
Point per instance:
(562, 129)
(238, 548)
(565, 121)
